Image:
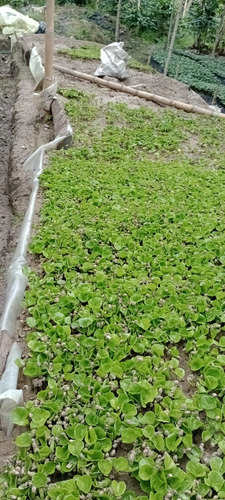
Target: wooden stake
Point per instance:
(170, 27)
(117, 34)
(172, 41)
(49, 43)
(216, 91)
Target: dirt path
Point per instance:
(7, 98)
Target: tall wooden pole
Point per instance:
(178, 16)
(49, 43)
(170, 27)
(219, 33)
(117, 34)
(185, 8)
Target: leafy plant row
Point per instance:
(215, 65)
(200, 76)
(125, 317)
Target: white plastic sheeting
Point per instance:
(13, 22)
(113, 61)
(10, 396)
(16, 281)
(36, 66)
(16, 284)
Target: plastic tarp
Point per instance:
(36, 66)
(113, 61)
(16, 284)
(16, 280)
(10, 396)
(13, 22)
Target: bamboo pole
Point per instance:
(172, 41)
(49, 43)
(139, 93)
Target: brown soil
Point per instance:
(7, 89)
(152, 82)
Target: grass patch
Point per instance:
(84, 52)
(126, 320)
(139, 66)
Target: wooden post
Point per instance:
(219, 33)
(177, 70)
(170, 27)
(216, 91)
(178, 16)
(117, 34)
(49, 43)
(185, 8)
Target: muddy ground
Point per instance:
(22, 131)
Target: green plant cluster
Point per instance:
(200, 76)
(215, 65)
(126, 314)
(83, 52)
(93, 52)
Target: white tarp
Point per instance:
(10, 396)
(113, 61)
(36, 66)
(12, 22)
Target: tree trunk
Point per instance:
(189, 4)
(220, 33)
(178, 16)
(185, 8)
(170, 28)
(117, 34)
(139, 8)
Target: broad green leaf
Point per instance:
(20, 416)
(120, 464)
(39, 480)
(130, 435)
(76, 447)
(105, 466)
(118, 488)
(24, 440)
(84, 483)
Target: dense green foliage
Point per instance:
(201, 73)
(126, 314)
(151, 18)
(203, 20)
